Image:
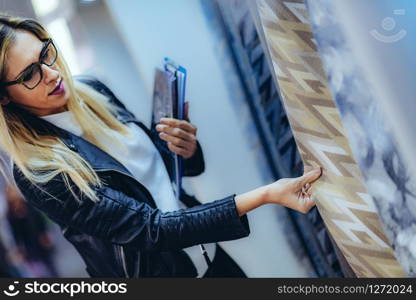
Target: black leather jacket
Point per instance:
(124, 234)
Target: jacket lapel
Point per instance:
(97, 158)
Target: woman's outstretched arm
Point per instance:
(294, 193)
(121, 219)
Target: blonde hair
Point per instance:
(41, 157)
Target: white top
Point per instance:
(143, 160)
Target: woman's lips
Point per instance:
(60, 88)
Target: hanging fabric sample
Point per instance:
(241, 26)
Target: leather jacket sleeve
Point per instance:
(124, 220)
(194, 165)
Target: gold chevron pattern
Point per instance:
(342, 199)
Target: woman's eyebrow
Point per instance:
(29, 66)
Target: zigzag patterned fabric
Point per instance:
(342, 199)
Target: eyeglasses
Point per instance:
(33, 74)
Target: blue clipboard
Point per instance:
(180, 75)
(169, 101)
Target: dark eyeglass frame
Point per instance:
(38, 64)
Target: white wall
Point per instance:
(112, 63)
(178, 29)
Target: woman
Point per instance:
(84, 160)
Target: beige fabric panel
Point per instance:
(342, 199)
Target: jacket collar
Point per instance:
(97, 158)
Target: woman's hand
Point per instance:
(294, 193)
(179, 134)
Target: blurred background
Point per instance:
(234, 102)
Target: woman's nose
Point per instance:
(49, 74)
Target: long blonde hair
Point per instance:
(42, 157)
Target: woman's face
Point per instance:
(22, 53)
